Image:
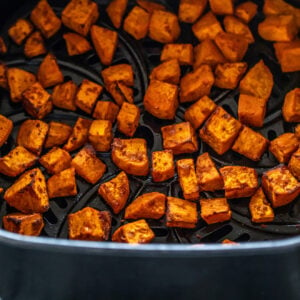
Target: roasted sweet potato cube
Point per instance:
(6, 126)
(89, 224)
(284, 146)
(79, 135)
(137, 232)
(62, 184)
(137, 23)
(246, 11)
(76, 44)
(18, 81)
(64, 94)
(3, 47)
(79, 15)
(44, 18)
(147, 206)
(294, 164)
(101, 135)
(118, 73)
(29, 193)
(87, 165)
(20, 31)
(182, 52)
(58, 134)
(187, 178)
(291, 106)
(250, 144)
(164, 27)
(116, 192)
(215, 210)
(181, 213)
(297, 131)
(32, 135)
(190, 10)
(161, 99)
(37, 101)
(3, 77)
(150, 6)
(105, 42)
(209, 179)
(128, 119)
(56, 160)
(280, 186)
(228, 75)
(180, 138)
(196, 84)
(220, 131)
(258, 81)
(120, 92)
(239, 181)
(260, 209)
(207, 27)
(106, 110)
(34, 45)
(17, 161)
(162, 165)
(49, 73)
(116, 10)
(222, 7)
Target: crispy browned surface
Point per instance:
(182, 52)
(150, 6)
(246, 11)
(58, 134)
(190, 10)
(291, 106)
(63, 95)
(128, 119)
(118, 73)
(106, 110)
(116, 10)
(222, 7)
(76, 44)
(6, 126)
(215, 210)
(294, 164)
(162, 165)
(3, 78)
(101, 135)
(34, 45)
(20, 31)
(3, 48)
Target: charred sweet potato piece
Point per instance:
(29, 193)
(150, 6)
(215, 210)
(294, 164)
(6, 126)
(128, 119)
(190, 10)
(180, 138)
(291, 106)
(239, 181)
(137, 232)
(118, 73)
(64, 94)
(32, 135)
(3, 77)
(20, 31)
(116, 192)
(76, 44)
(44, 18)
(162, 165)
(87, 165)
(116, 10)
(182, 52)
(147, 206)
(17, 161)
(106, 110)
(89, 224)
(246, 11)
(222, 7)
(280, 186)
(101, 135)
(181, 213)
(34, 45)
(3, 47)
(58, 134)
(62, 184)
(161, 99)
(105, 42)
(120, 92)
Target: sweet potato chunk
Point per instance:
(239, 181)
(180, 138)
(56, 160)
(3, 77)
(128, 119)
(246, 11)
(209, 179)
(161, 99)
(220, 131)
(17, 161)
(106, 110)
(34, 45)
(29, 193)
(260, 209)
(120, 92)
(76, 44)
(101, 135)
(215, 210)
(3, 47)
(105, 42)
(116, 192)
(116, 10)
(58, 134)
(137, 232)
(62, 184)
(32, 135)
(89, 224)
(44, 18)
(187, 178)
(118, 73)
(63, 95)
(181, 213)
(294, 164)
(297, 131)
(250, 144)
(182, 52)
(190, 10)
(80, 15)
(147, 206)
(222, 7)
(162, 165)
(280, 186)
(25, 224)
(20, 31)
(6, 126)
(131, 156)
(291, 106)
(284, 146)
(150, 6)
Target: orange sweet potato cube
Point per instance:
(150, 6)
(120, 92)
(246, 11)
(162, 165)
(181, 213)
(87, 165)
(63, 95)
(101, 135)
(89, 224)
(128, 119)
(44, 18)
(3, 77)
(182, 52)
(3, 47)
(180, 138)
(222, 7)
(291, 106)
(215, 210)
(58, 134)
(239, 181)
(26, 224)
(116, 10)
(106, 110)
(20, 31)
(6, 126)
(294, 164)
(76, 44)
(116, 192)
(29, 193)
(130, 155)
(118, 73)
(34, 45)
(297, 131)
(190, 10)
(280, 186)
